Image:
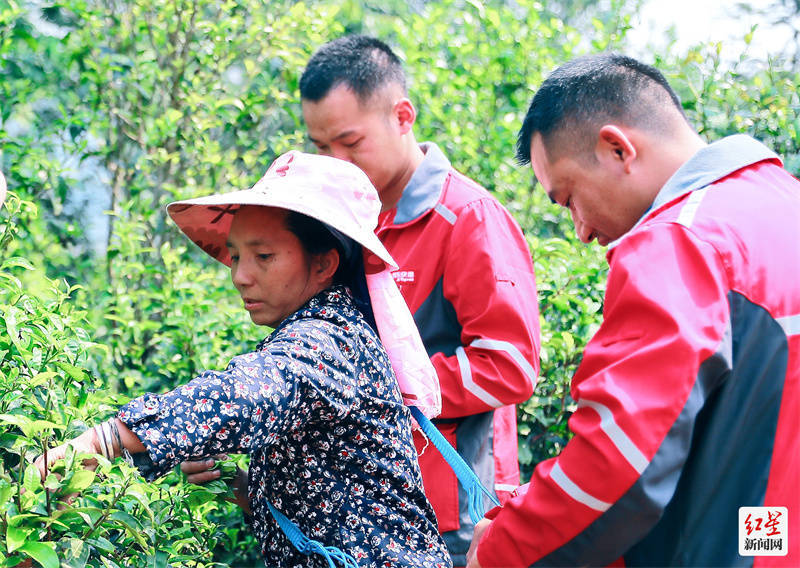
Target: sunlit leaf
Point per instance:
(42, 552)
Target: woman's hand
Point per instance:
(200, 471)
(85, 443)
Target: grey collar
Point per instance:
(423, 190)
(709, 164)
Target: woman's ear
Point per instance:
(325, 265)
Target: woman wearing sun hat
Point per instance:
(317, 404)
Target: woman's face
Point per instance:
(269, 266)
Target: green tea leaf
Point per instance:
(16, 536)
(101, 543)
(40, 378)
(32, 480)
(42, 552)
(76, 553)
(75, 372)
(79, 481)
(17, 261)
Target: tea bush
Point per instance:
(47, 392)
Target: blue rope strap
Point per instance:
(468, 479)
(307, 546)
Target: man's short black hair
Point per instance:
(364, 64)
(581, 95)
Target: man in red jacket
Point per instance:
(465, 267)
(688, 393)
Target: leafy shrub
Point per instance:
(47, 392)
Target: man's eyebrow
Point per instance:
(344, 134)
(339, 136)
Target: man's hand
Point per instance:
(472, 553)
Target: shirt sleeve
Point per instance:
(252, 404)
(639, 390)
(489, 280)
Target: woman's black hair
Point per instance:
(317, 239)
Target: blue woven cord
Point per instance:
(307, 546)
(468, 479)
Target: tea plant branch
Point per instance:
(195, 529)
(107, 511)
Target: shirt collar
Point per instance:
(335, 297)
(709, 164)
(423, 190)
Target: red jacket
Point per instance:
(466, 274)
(688, 395)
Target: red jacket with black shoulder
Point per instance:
(467, 277)
(688, 395)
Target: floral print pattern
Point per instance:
(318, 409)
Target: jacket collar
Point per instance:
(423, 190)
(709, 164)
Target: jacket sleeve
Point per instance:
(489, 280)
(638, 391)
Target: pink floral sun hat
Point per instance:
(340, 195)
(328, 189)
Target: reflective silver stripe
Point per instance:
(511, 349)
(448, 215)
(469, 384)
(569, 487)
(618, 437)
(689, 209)
(790, 324)
(505, 487)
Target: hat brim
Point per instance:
(207, 221)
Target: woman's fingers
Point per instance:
(85, 443)
(199, 471)
(203, 477)
(53, 454)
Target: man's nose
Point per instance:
(582, 230)
(341, 154)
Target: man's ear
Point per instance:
(405, 113)
(326, 264)
(615, 147)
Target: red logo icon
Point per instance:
(281, 171)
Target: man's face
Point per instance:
(595, 193)
(366, 135)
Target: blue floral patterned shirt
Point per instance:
(318, 409)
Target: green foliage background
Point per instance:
(176, 98)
